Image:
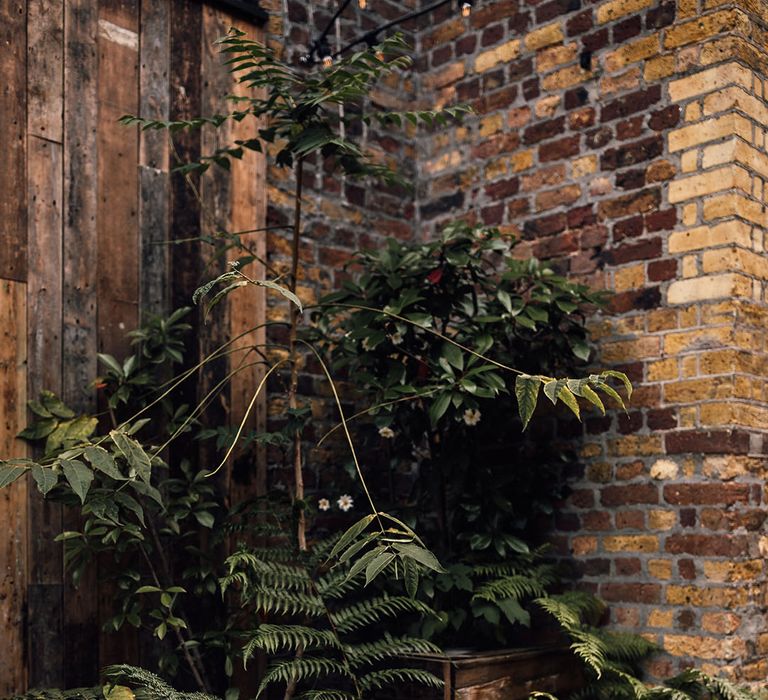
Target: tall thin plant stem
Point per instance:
(293, 388)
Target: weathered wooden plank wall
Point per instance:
(88, 209)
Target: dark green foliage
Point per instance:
(321, 626)
(612, 659)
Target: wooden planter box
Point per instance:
(509, 674)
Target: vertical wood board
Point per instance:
(13, 129)
(13, 499)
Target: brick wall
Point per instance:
(626, 141)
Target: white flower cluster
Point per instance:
(344, 503)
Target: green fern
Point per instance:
(320, 624)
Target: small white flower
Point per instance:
(386, 432)
(396, 338)
(323, 504)
(472, 416)
(345, 502)
(367, 344)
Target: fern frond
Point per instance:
(285, 602)
(368, 612)
(625, 646)
(366, 654)
(378, 679)
(301, 669)
(516, 587)
(146, 685)
(275, 638)
(326, 695)
(336, 584)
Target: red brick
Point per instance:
(629, 495)
(664, 118)
(643, 250)
(558, 150)
(632, 153)
(662, 270)
(630, 104)
(628, 228)
(544, 130)
(631, 592)
(706, 494)
(627, 567)
(630, 128)
(661, 220)
(596, 520)
(708, 545)
(635, 300)
(707, 441)
(630, 520)
(503, 188)
(638, 202)
(545, 226)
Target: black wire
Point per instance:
(370, 36)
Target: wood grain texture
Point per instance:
(45, 61)
(118, 243)
(13, 499)
(13, 130)
(79, 299)
(154, 179)
(44, 321)
(248, 206)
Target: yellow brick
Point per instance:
(661, 618)
(501, 54)
(690, 214)
(675, 343)
(712, 287)
(710, 80)
(724, 178)
(609, 11)
(734, 204)
(687, 8)
(619, 83)
(521, 160)
(547, 106)
(722, 571)
(710, 130)
(661, 320)
(625, 350)
(545, 36)
(720, 622)
(688, 417)
(692, 390)
(704, 647)
(632, 52)
(689, 161)
(492, 124)
(659, 67)
(443, 162)
(636, 445)
(662, 519)
(718, 154)
(707, 597)
(735, 259)
(731, 467)
(629, 278)
(700, 28)
(631, 543)
(690, 366)
(583, 545)
(565, 77)
(693, 112)
(586, 165)
(700, 237)
(555, 56)
(661, 569)
(690, 266)
(496, 168)
(661, 370)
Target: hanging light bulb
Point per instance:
(380, 54)
(362, 4)
(466, 9)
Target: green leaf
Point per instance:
(377, 565)
(78, 475)
(589, 394)
(552, 389)
(527, 393)
(103, 461)
(287, 293)
(438, 407)
(134, 454)
(454, 356)
(421, 555)
(610, 391)
(9, 473)
(45, 478)
(148, 589)
(351, 534)
(111, 363)
(566, 396)
(363, 562)
(621, 377)
(146, 490)
(205, 518)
